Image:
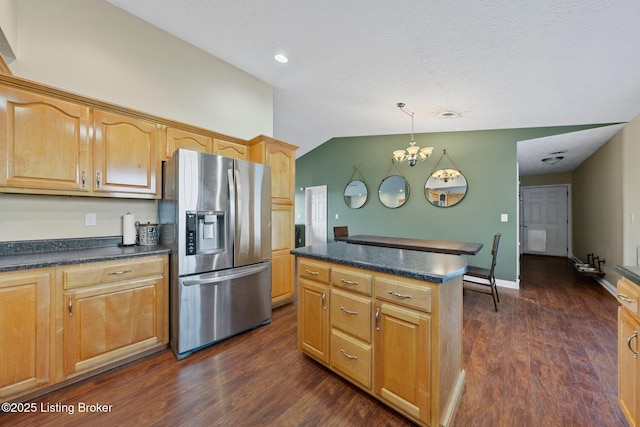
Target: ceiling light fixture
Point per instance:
(412, 153)
(552, 160)
(281, 58)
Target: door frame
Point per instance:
(307, 201)
(569, 216)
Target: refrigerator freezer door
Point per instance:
(215, 306)
(252, 213)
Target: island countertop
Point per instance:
(629, 272)
(432, 267)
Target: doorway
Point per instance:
(315, 200)
(545, 220)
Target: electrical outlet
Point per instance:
(90, 219)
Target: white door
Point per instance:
(545, 220)
(316, 215)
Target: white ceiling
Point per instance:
(497, 64)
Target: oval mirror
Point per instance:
(394, 191)
(445, 192)
(356, 194)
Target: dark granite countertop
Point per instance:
(24, 255)
(631, 273)
(428, 266)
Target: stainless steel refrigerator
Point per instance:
(215, 215)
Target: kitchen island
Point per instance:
(388, 320)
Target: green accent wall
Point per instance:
(486, 158)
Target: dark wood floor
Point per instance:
(547, 358)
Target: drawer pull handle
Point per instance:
(70, 307)
(635, 335)
(624, 298)
(347, 355)
(116, 273)
(324, 300)
(314, 273)
(355, 313)
(395, 294)
(348, 282)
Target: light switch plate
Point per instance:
(504, 217)
(90, 219)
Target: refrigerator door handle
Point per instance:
(235, 273)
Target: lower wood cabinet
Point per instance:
(398, 339)
(60, 323)
(313, 320)
(403, 359)
(628, 348)
(27, 318)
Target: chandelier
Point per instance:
(412, 153)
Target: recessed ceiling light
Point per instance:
(281, 58)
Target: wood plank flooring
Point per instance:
(547, 358)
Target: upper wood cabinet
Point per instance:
(126, 155)
(44, 142)
(230, 149)
(282, 159)
(179, 138)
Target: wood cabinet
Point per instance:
(403, 359)
(280, 156)
(399, 339)
(44, 143)
(27, 319)
(66, 323)
(313, 310)
(282, 159)
(113, 310)
(230, 149)
(126, 155)
(179, 138)
(628, 348)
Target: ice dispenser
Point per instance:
(205, 232)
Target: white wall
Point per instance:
(8, 36)
(95, 49)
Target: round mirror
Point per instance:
(393, 191)
(356, 194)
(445, 192)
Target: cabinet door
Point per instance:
(126, 155)
(313, 320)
(26, 331)
(231, 149)
(282, 241)
(109, 322)
(44, 142)
(283, 163)
(402, 375)
(178, 138)
(628, 372)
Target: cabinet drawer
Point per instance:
(351, 313)
(406, 294)
(351, 357)
(628, 295)
(110, 271)
(313, 271)
(352, 280)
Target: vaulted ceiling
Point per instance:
(458, 65)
